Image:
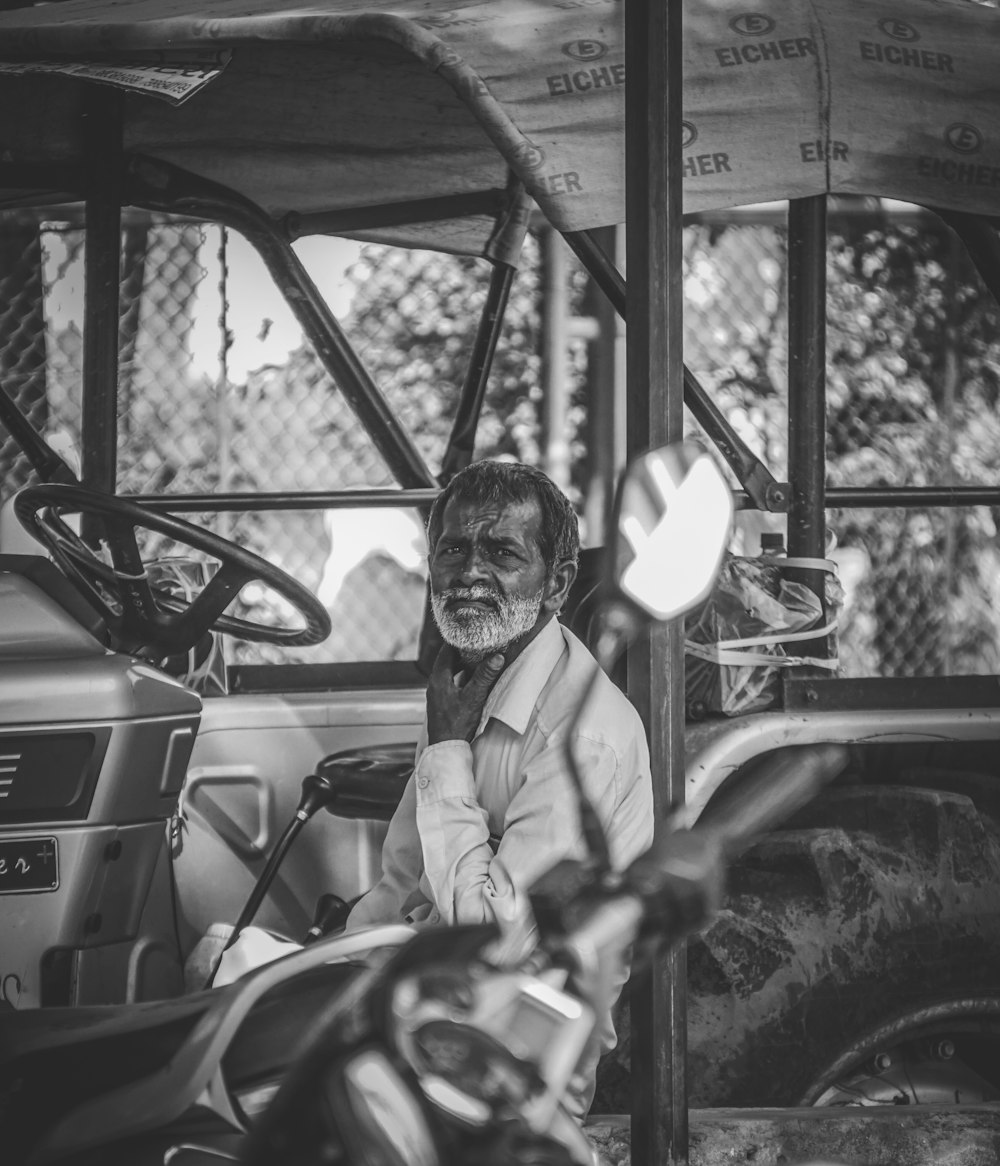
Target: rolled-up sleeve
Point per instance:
(397, 891)
(475, 881)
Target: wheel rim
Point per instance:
(947, 1054)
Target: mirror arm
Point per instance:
(764, 491)
(593, 832)
(617, 624)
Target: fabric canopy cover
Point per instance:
(333, 105)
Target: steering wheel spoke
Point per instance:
(138, 605)
(147, 618)
(220, 591)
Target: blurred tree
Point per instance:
(914, 375)
(413, 320)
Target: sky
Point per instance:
(263, 327)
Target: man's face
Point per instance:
(489, 583)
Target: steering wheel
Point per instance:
(140, 616)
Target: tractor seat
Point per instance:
(367, 782)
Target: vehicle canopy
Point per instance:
(416, 122)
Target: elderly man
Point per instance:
(490, 806)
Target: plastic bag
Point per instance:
(737, 642)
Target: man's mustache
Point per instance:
(477, 593)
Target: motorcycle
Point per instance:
(427, 1047)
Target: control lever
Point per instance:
(318, 791)
(366, 782)
(331, 915)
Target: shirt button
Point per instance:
(422, 783)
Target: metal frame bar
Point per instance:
(488, 203)
(910, 497)
(300, 500)
(896, 497)
(758, 481)
(103, 114)
(653, 96)
(158, 186)
(462, 439)
(807, 387)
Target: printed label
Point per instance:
(586, 80)
(959, 173)
(175, 81)
(905, 56)
(820, 151)
(761, 52)
(567, 183)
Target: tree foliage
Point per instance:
(413, 320)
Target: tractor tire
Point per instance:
(875, 901)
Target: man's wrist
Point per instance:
(444, 770)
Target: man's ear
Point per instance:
(558, 585)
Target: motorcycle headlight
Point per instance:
(377, 1115)
(483, 1042)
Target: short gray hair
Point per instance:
(506, 482)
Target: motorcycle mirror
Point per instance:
(672, 521)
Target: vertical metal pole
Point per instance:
(605, 399)
(555, 356)
(103, 115)
(223, 410)
(655, 377)
(807, 388)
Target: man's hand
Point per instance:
(453, 712)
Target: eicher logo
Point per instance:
(701, 165)
(529, 156)
(752, 24)
(900, 50)
(589, 79)
(585, 50)
(898, 29)
(759, 51)
(963, 138)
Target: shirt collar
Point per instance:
(514, 696)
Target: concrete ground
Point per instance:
(877, 1136)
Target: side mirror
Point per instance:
(672, 521)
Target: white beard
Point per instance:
(476, 634)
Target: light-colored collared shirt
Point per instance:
(479, 823)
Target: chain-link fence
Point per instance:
(220, 392)
(913, 341)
